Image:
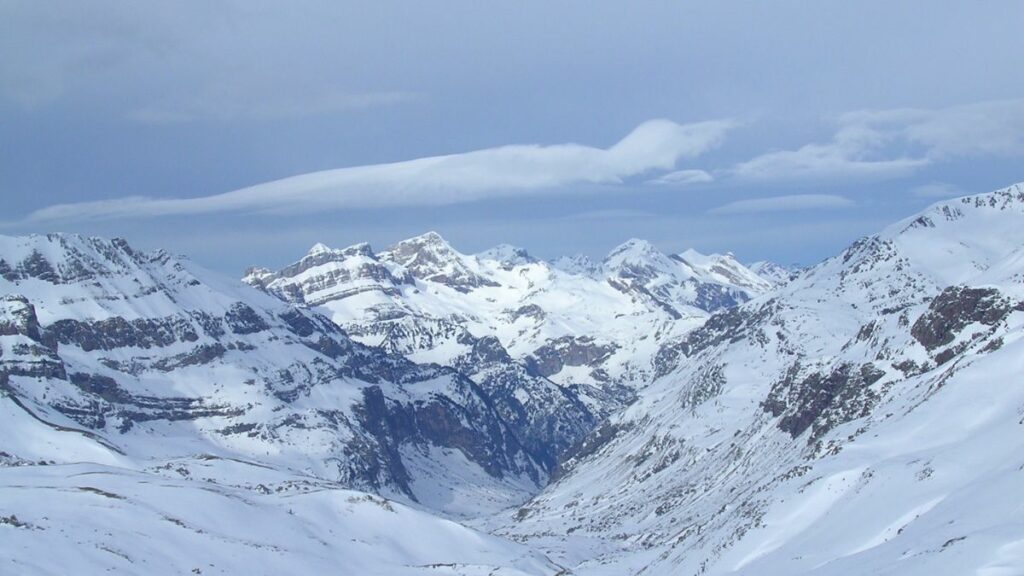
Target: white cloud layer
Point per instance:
(790, 203)
(656, 145)
(895, 143)
(683, 178)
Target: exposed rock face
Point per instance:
(568, 351)
(820, 402)
(18, 316)
(957, 307)
(116, 332)
(546, 417)
(25, 348)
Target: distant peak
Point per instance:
(507, 254)
(691, 254)
(431, 242)
(360, 249)
(576, 264)
(634, 247)
(318, 248)
(430, 237)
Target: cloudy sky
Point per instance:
(240, 132)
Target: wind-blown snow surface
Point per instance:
(868, 418)
(89, 519)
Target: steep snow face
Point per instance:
(865, 418)
(148, 356)
(592, 329)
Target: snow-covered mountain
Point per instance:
(592, 329)
(155, 358)
(864, 419)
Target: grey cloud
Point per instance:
(896, 143)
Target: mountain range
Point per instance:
(420, 410)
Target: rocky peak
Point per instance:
(429, 246)
(429, 257)
(321, 254)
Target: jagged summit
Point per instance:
(429, 257)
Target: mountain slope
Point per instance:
(865, 418)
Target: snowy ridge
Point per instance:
(425, 300)
(863, 419)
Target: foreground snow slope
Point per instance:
(92, 519)
(868, 418)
